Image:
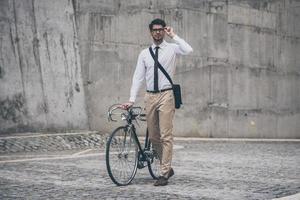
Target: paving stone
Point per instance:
(94, 140)
(203, 170)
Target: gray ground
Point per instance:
(203, 170)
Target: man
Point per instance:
(159, 99)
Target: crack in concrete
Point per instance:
(20, 57)
(69, 93)
(36, 53)
(45, 36)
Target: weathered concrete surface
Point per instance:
(208, 170)
(40, 75)
(242, 80)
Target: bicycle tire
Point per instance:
(154, 164)
(121, 156)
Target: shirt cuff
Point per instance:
(132, 99)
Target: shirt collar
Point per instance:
(161, 46)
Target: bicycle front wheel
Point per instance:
(121, 156)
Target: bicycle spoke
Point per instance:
(154, 164)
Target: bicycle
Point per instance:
(124, 152)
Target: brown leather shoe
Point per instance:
(171, 173)
(161, 181)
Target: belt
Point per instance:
(159, 91)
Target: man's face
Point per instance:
(158, 33)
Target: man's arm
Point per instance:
(182, 47)
(137, 81)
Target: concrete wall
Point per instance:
(40, 75)
(242, 80)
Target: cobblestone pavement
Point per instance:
(203, 170)
(51, 142)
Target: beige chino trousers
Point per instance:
(160, 109)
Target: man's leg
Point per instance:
(151, 102)
(166, 114)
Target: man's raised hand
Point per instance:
(169, 31)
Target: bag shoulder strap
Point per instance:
(161, 67)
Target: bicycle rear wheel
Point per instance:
(121, 156)
(154, 163)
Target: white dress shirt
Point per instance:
(145, 65)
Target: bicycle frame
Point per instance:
(129, 119)
(141, 150)
(143, 155)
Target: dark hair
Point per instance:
(157, 22)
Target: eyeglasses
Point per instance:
(158, 30)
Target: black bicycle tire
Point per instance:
(108, 164)
(150, 166)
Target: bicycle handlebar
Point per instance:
(126, 114)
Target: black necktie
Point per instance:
(156, 70)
